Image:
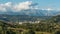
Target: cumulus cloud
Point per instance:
(16, 7)
(8, 4)
(2, 8)
(5, 6)
(22, 6)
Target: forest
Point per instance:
(49, 26)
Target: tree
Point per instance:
(58, 32)
(31, 32)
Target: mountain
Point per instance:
(28, 15)
(33, 12)
(15, 18)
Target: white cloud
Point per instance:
(3, 7)
(8, 4)
(22, 6)
(47, 9)
(15, 7)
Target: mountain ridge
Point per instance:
(33, 12)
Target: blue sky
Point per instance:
(55, 4)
